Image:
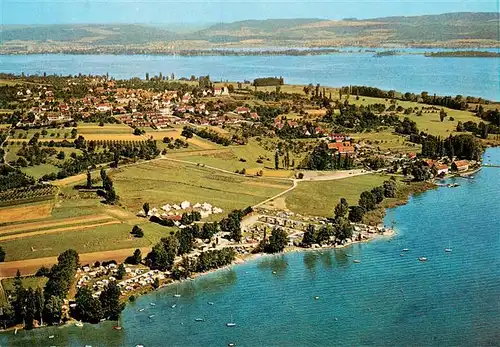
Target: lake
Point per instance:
(386, 300)
(405, 73)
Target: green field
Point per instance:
(28, 282)
(163, 182)
(427, 122)
(39, 170)
(386, 140)
(320, 197)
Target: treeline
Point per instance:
(322, 158)
(458, 102)
(112, 154)
(208, 134)
(31, 307)
(268, 81)
(463, 146)
(11, 178)
(205, 261)
(368, 200)
(359, 118)
(177, 244)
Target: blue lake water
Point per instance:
(386, 300)
(406, 73)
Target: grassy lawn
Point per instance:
(94, 128)
(28, 282)
(237, 157)
(387, 140)
(39, 170)
(320, 197)
(428, 122)
(163, 182)
(107, 237)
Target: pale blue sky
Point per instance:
(209, 11)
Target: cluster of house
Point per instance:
(340, 143)
(150, 119)
(174, 211)
(97, 278)
(443, 169)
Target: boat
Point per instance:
(349, 255)
(152, 304)
(151, 316)
(274, 272)
(117, 327)
(139, 345)
(316, 298)
(231, 323)
(177, 295)
(448, 249)
(401, 254)
(141, 309)
(199, 319)
(406, 249)
(357, 261)
(210, 303)
(173, 306)
(51, 336)
(422, 259)
(231, 344)
(79, 324)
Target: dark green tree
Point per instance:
(309, 236)
(277, 241)
(367, 201)
(342, 208)
(120, 273)
(110, 301)
(356, 214)
(378, 193)
(88, 308)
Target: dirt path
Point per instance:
(30, 266)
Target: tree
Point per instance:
(110, 301)
(367, 201)
(342, 208)
(2, 255)
(74, 133)
(52, 309)
(356, 214)
(120, 273)
(186, 241)
(208, 230)
(324, 234)
(442, 114)
(145, 207)
(390, 189)
(61, 155)
(309, 236)
(111, 196)
(343, 229)
(137, 231)
(378, 193)
(276, 160)
(187, 133)
(158, 258)
(89, 180)
(277, 241)
(147, 76)
(460, 127)
(134, 259)
(88, 308)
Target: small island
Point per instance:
(463, 54)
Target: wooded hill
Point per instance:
(452, 29)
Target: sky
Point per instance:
(209, 11)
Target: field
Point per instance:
(238, 157)
(163, 182)
(25, 212)
(320, 197)
(386, 140)
(28, 282)
(427, 122)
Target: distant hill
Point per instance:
(105, 34)
(450, 29)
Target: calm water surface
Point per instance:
(405, 73)
(386, 300)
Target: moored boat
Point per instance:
(422, 259)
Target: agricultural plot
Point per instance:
(25, 212)
(27, 194)
(318, 198)
(162, 182)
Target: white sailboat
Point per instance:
(231, 323)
